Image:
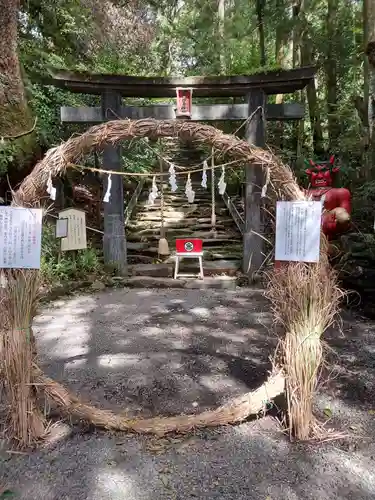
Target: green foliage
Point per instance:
(8, 154)
(138, 156)
(57, 267)
(183, 38)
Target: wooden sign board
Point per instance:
(20, 237)
(76, 234)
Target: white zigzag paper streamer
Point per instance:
(189, 190)
(172, 179)
(108, 191)
(50, 189)
(154, 192)
(204, 175)
(222, 184)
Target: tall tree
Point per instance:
(312, 99)
(369, 89)
(331, 74)
(282, 56)
(260, 19)
(296, 61)
(221, 16)
(15, 116)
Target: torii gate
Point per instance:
(255, 88)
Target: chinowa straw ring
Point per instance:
(18, 359)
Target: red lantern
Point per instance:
(184, 102)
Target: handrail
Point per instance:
(133, 201)
(236, 216)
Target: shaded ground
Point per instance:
(168, 351)
(157, 351)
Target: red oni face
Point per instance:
(321, 175)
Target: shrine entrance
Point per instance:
(252, 91)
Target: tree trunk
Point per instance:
(281, 56)
(221, 16)
(296, 61)
(331, 75)
(260, 18)
(365, 117)
(16, 124)
(14, 117)
(369, 38)
(316, 126)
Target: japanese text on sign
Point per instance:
(20, 237)
(298, 231)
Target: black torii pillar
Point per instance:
(253, 243)
(114, 239)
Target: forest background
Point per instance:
(197, 37)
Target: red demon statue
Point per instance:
(337, 201)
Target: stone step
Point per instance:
(191, 223)
(222, 255)
(171, 211)
(207, 241)
(182, 197)
(178, 206)
(141, 259)
(136, 246)
(209, 257)
(214, 282)
(145, 217)
(220, 235)
(179, 223)
(210, 268)
(226, 252)
(236, 246)
(174, 231)
(179, 214)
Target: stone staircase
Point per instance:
(222, 250)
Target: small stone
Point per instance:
(98, 286)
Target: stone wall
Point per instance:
(357, 270)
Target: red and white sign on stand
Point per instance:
(184, 102)
(189, 249)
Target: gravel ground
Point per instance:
(168, 351)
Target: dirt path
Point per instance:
(168, 351)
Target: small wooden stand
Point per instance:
(189, 249)
(191, 255)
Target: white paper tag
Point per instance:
(298, 225)
(108, 192)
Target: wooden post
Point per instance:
(114, 240)
(253, 243)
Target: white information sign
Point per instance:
(20, 237)
(298, 226)
(76, 238)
